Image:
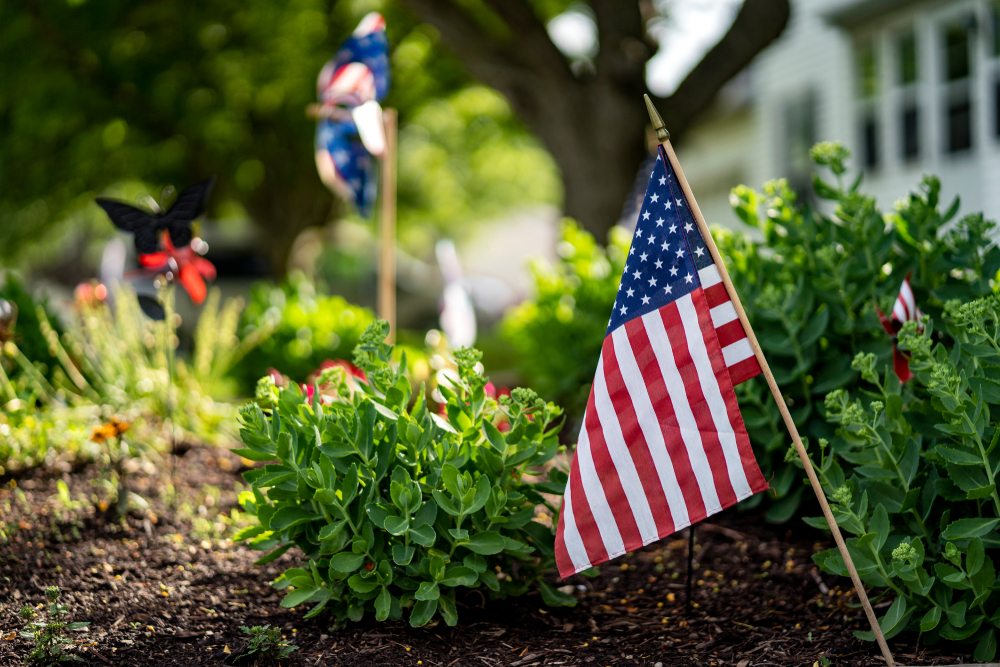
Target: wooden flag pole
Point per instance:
(387, 227)
(664, 138)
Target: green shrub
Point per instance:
(809, 291)
(49, 638)
(393, 506)
(308, 328)
(912, 474)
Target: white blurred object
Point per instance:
(368, 119)
(574, 32)
(112, 272)
(458, 317)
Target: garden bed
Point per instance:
(166, 588)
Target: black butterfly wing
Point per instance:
(131, 219)
(189, 205)
(152, 307)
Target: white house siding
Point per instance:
(746, 142)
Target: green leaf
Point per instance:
(423, 610)
(986, 649)
(330, 531)
(347, 562)
(959, 457)
(875, 472)
(481, 496)
(495, 437)
(423, 535)
(428, 591)
(444, 503)
(555, 598)
(975, 556)
(396, 525)
(383, 603)
(930, 619)
(287, 517)
(880, 526)
(444, 425)
(361, 584)
(475, 562)
(254, 455)
(298, 596)
(987, 388)
(247, 533)
(459, 575)
(426, 515)
(487, 543)
(385, 412)
(981, 492)
(966, 528)
(401, 554)
(448, 611)
(274, 555)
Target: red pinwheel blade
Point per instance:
(901, 365)
(193, 283)
(153, 260)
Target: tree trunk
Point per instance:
(594, 124)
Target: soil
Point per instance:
(161, 588)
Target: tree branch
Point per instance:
(758, 23)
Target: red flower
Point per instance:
(191, 268)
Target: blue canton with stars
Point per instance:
(666, 253)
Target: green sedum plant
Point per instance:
(266, 642)
(49, 638)
(392, 507)
(912, 472)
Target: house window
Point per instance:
(867, 69)
(799, 129)
(907, 76)
(907, 54)
(910, 138)
(958, 96)
(869, 141)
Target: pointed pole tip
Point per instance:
(654, 118)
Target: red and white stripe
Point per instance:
(905, 308)
(663, 444)
(736, 348)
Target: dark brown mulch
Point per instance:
(156, 594)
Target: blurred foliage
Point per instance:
(119, 98)
(113, 362)
(809, 290)
(558, 334)
(308, 328)
(464, 157)
(27, 333)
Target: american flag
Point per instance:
(662, 444)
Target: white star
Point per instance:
(699, 252)
(645, 300)
(668, 289)
(626, 266)
(665, 246)
(637, 274)
(629, 293)
(673, 270)
(680, 252)
(631, 250)
(659, 264)
(651, 240)
(619, 287)
(654, 198)
(662, 180)
(667, 205)
(624, 310)
(638, 233)
(679, 202)
(673, 228)
(688, 278)
(652, 282)
(643, 256)
(659, 222)
(688, 227)
(645, 216)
